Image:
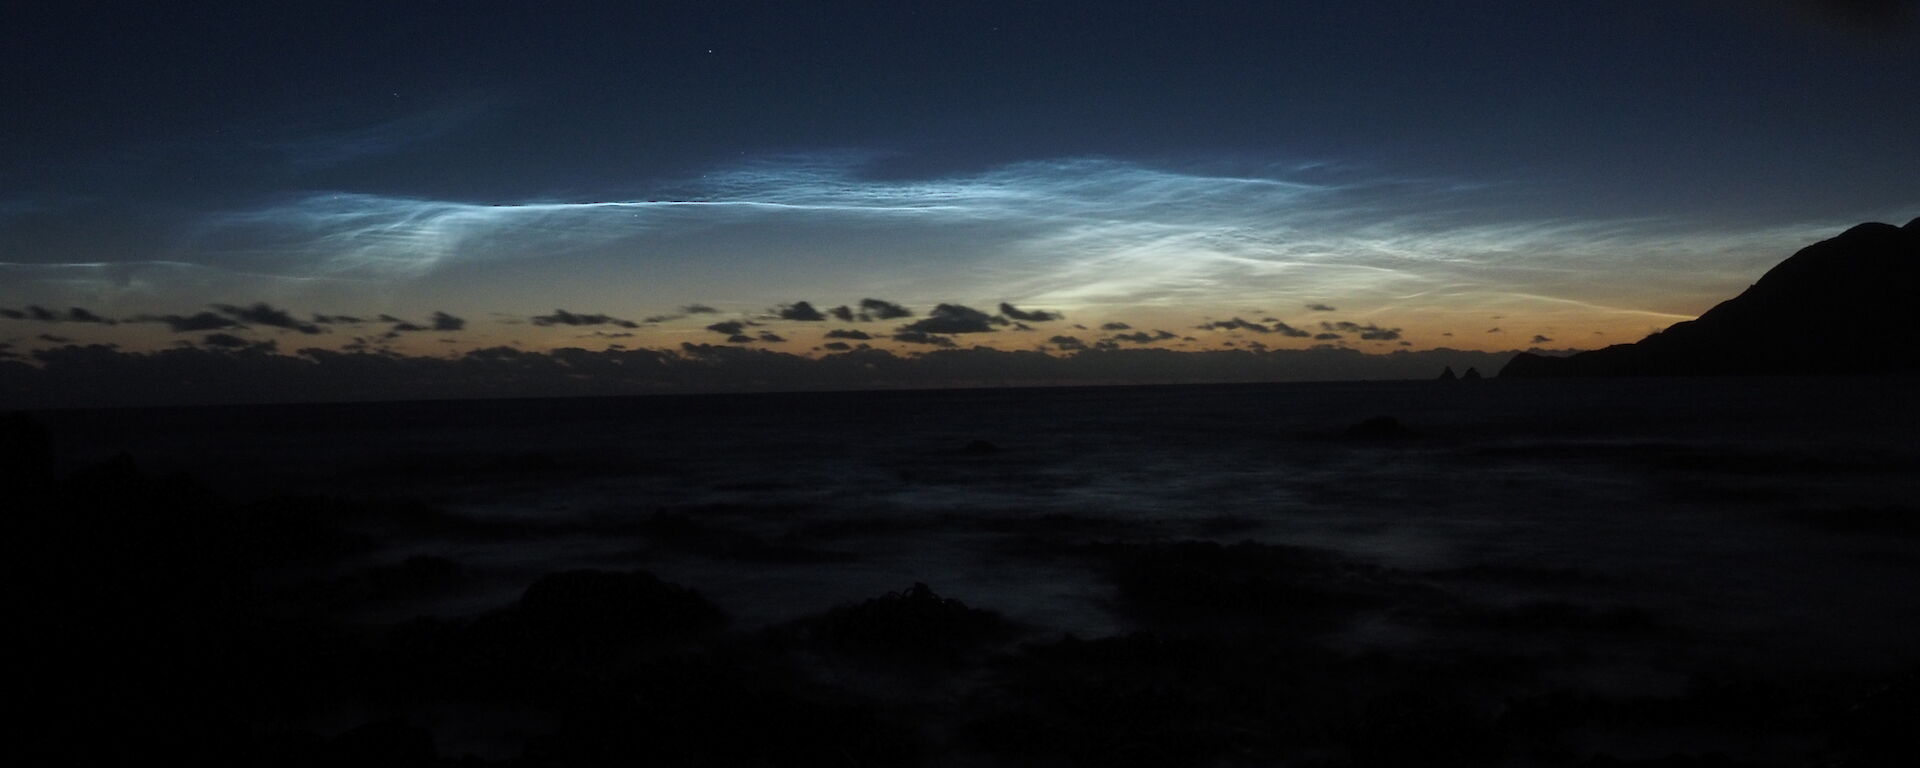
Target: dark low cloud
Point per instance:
(1327, 336)
(799, 311)
(1235, 324)
(100, 375)
(1320, 308)
(336, 319)
(1368, 332)
(771, 337)
(1246, 325)
(199, 321)
(439, 321)
(728, 327)
(78, 315)
(922, 337)
(55, 339)
(1031, 316)
(262, 313)
(1538, 339)
(842, 313)
(698, 309)
(883, 310)
(955, 318)
(837, 346)
(228, 341)
(848, 333)
(1142, 337)
(1068, 343)
(1115, 327)
(563, 317)
(740, 338)
(42, 314)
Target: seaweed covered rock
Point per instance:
(915, 625)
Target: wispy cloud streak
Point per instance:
(1069, 233)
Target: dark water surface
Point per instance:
(1613, 541)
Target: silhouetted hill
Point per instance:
(1839, 306)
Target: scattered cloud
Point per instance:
(848, 333)
(1368, 332)
(883, 310)
(922, 337)
(799, 311)
(261, 313)
(1142, 337)
(1320, 308)
(199, 321)
(954, 318)
(1032, 316)
(563, 317)
(445, 322)
(1247, 325)
(42, 314)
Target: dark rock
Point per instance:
(1472, 374)
(915, 625)
(1839, 306)
(1448, 375)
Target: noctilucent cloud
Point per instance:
(441, 176)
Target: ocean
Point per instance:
(1623, 539)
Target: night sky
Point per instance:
(430, 178)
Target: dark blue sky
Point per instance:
(170, 153)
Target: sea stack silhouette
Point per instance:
(1840, 306)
